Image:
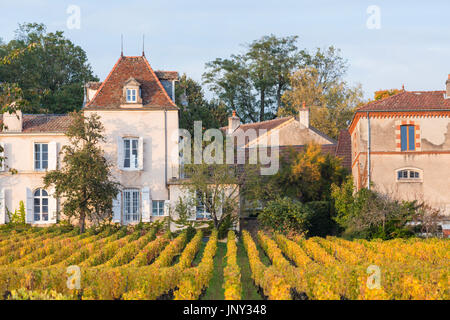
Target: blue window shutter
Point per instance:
(404, 137)
(412, 138)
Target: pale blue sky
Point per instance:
(412, 47)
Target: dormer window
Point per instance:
(131, 95)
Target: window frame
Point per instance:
(405, 175)
(38, 156)
(200, 208)
(40, 197)
(130, 217)
(159, 208)
(128, 155)
(408, 141)
(131, 93)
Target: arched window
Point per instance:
(40, 201)
(409, 174)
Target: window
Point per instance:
(40, 204)
(158, 207)
(201, 208)
(131, 205)
(130, 153)
(408, 139)
(40, 156)
(408, 174)
(131, 95)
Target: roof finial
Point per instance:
(121, 45)
(403, 87)
(143, 45)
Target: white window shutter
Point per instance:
(2, 155)
(52, 155)
(52, 206)
(117, 208)
(166, 207)
(29, 206)
(141, 154)
(120, 153)
(146, 204)
(2, 207)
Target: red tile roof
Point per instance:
(410, 101)
(263, 125)
(110, 93)
(51, 123)
(344, 149)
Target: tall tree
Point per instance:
(194, 107)
(252, 83)
(321, 86)
(84, 180)
(51, 75)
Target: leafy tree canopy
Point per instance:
(51, 75)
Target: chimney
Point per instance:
(448, 87)
(233, 123)
(12, 122)
(303, 115)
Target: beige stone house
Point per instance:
(136, 106)
(401, 145)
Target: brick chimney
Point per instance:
(12, 122)
(303, 115)
(233, 123)
(448, 87)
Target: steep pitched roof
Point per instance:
(110, 93)
(344, 148)
(50, 123)
(410, 101)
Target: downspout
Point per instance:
(165, 147)
(368, 151)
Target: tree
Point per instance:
(307, 175)
(85, 178)
(216, 187)
(321, 87)
(194, 107)
(51, 75)
(382, 94)
(252, 83)
(11, 95)
(370, 214)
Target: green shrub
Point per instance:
(320, 222)
(18, 216)
(285, 216)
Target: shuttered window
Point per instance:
(407, 134)
(40, 156)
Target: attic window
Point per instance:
(131, 95)
(132, 92)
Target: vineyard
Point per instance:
(145, 265)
